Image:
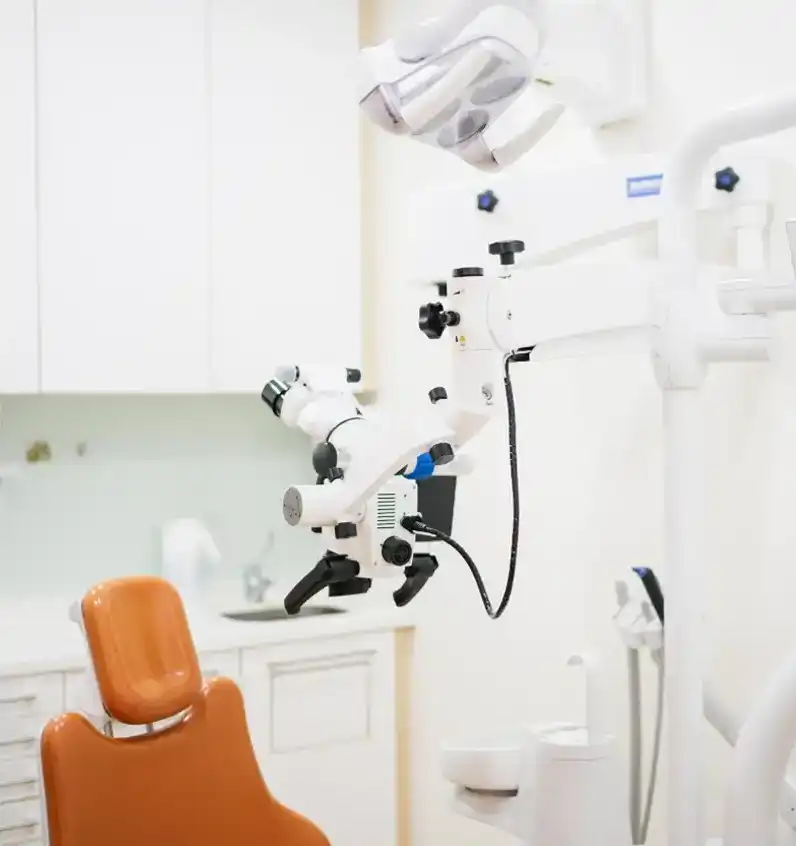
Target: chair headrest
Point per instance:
(140, 643)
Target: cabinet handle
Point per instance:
(15, 741)
(16, 782)
(28, 797)
(321, 664)
(20, 826)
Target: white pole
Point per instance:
(680, 366)
(683, 498)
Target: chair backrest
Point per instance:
(196, 782)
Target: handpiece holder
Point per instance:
(337, 572)
(422, 568)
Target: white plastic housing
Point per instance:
(572, 791)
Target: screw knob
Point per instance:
(506, 250)
(726, 180)
(487, 201)
(437, 394)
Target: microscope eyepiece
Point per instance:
(273, 394)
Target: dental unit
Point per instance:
(446, 84)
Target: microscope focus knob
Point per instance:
(726, 180)
(396, 551)
(441, 453)
(324, 457)
(429, 319)
(506, 250)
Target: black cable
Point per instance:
(416, 525)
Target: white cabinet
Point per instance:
(19, 366)
(322, 717)
(26, 704)
(285, 188)
(123, 195)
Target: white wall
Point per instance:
(590, 442)
(77, 519)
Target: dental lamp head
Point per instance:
(451, 79)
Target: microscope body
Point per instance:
(366, 471)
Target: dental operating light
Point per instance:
(513, 68)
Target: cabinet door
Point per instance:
(124, 204)
(285, 189)
(322, 719)
(19, 366)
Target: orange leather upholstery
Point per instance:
(195, 783)
(142, 650)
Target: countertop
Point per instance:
(37, 636)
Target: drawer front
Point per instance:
(26, 703)
(318, 702)
(16, 770)
(26, 694)
(20, 821)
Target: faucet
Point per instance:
(255, 583)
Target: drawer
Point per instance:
(20, 820)
(29, 833)
(317, 702)
(21, 787)
(21, 769)
(21, 740)
(24, 697)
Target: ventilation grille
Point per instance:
(385, 510)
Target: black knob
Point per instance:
(317, 530)
(353, 375)
(429, 319)
(437, 394)
(441, 453)
(342, 531)
(324, 457)
(334, 473)
(461, 272)
(726, 180)
(396, 551)
(506, 250)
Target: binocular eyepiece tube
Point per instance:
(273, 395)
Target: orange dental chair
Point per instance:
(195, 782)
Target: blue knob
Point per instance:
(726, 179)
(487, 201)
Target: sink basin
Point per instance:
(264, 615)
